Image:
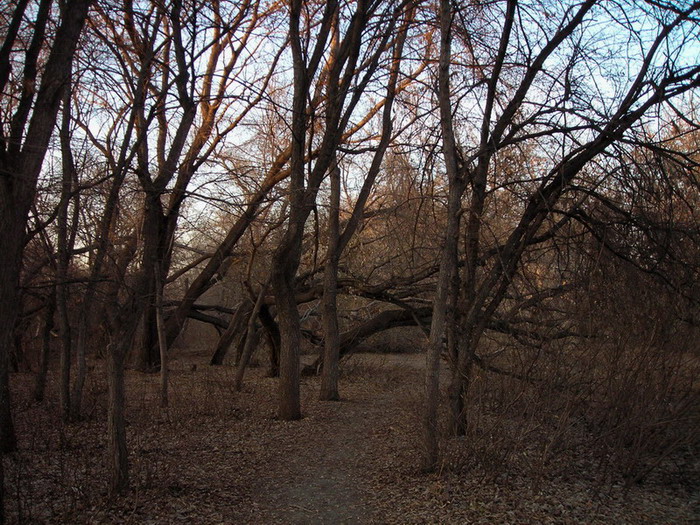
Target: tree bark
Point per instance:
(273, 339)
(162, 340)
(18, 179)
(251, 340)
(154, 253)
(226, 338)
(129, 316)
(290, 335)
(288, 253)
(331, 335)
(40, 384)
(2, 490)
(449, 260)
(64, 248)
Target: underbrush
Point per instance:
(617, 414)
(612, 413)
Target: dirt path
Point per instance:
(216, 456)
(323, 473)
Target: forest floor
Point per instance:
(216, 456)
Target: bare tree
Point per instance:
(337, 242)
(344, 83)
(512, 115)
(25, 140)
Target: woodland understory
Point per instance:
(220, 456)
(209, 209)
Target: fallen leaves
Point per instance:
(219, 457)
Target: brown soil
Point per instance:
(216, 456)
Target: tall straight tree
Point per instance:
(337, 240)
(348, 71)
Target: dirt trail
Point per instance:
(324, 478)
(216, 456)
(321, 472)
(324, 472)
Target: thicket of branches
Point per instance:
(517, 179)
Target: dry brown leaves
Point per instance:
(216, 456)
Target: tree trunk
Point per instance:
(288, 253)
(116, 416)
(233, 328)
(162, 341)
(445, 288)
(40, 385)
(9, 302)
(290, 335)
(458, 388)
(448, 262)
(63, 255)
(153, 233)
(251, 340)
(2, 490)
(331, 335)
(19, 173)
(273, 340)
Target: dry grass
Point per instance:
(215, 456)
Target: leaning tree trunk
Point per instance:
(226, 339)
(252, 338)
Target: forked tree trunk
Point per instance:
(448, 262)
(287, 256)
